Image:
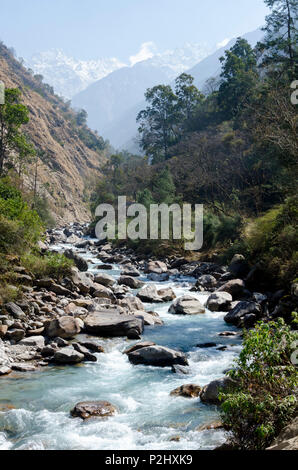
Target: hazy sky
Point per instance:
(90, 29)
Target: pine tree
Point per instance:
(280, 45)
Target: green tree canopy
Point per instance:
(239, 74)
(280, 44)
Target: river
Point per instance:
(148, 418)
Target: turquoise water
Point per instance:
(148, 418)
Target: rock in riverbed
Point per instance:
(187, 391)
(63, 327)
(210, 393)
(149, 294)
(157, 356)
(186, 305)
(219, 302)
(93, 409)
(68, 355)
(107, 324)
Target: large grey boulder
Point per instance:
(104, 279)
(158, 356)
(131, 282)
(80, 263)
(207, 281)
(239, 267)
(156, 267)
(243, 309)
(148, 318)
(130, 270)
(64, 327)
(101, 292)
(187, 305)
(93, 409)
(34, 341)
(68, 355)
(149, 294)
(139, 345)
(107, 324)
(235, 287)
(210, 393)
(187, 391)
(167, 294)
(219, 302)
(131, 304)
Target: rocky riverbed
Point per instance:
(140, 344)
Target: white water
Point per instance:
(148, 417)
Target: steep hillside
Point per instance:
(67, 162)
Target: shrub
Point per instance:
(50, 265)
(265, 398)
(20, 227)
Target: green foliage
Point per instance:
(164, 187)
(238, 77)
(279, 48)
(20, 227)
(265, 398)
(13, 115)
(273, 237)
(41, 206)
(50, 265)
(220, 229)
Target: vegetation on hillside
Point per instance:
(233, 149)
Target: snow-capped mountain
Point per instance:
(67, 75)
(182, 58)
(70, 76)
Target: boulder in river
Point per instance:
(241, 311)
(235, 287)
(167, 295)
(80, 263)
(102, 292)
(139, 345)
(68, 355)
(64, 327)
(131, 304)
(219, 302)
(239, 267)
(104, 279)
(92, 345)
(207, 281)
(131, 282)
(187, 391)
(187, 305)
(210, 393)
(149, 294)
(156, 267)
(93, 409)
(107, 324)
(158, 356)
(130, 270)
